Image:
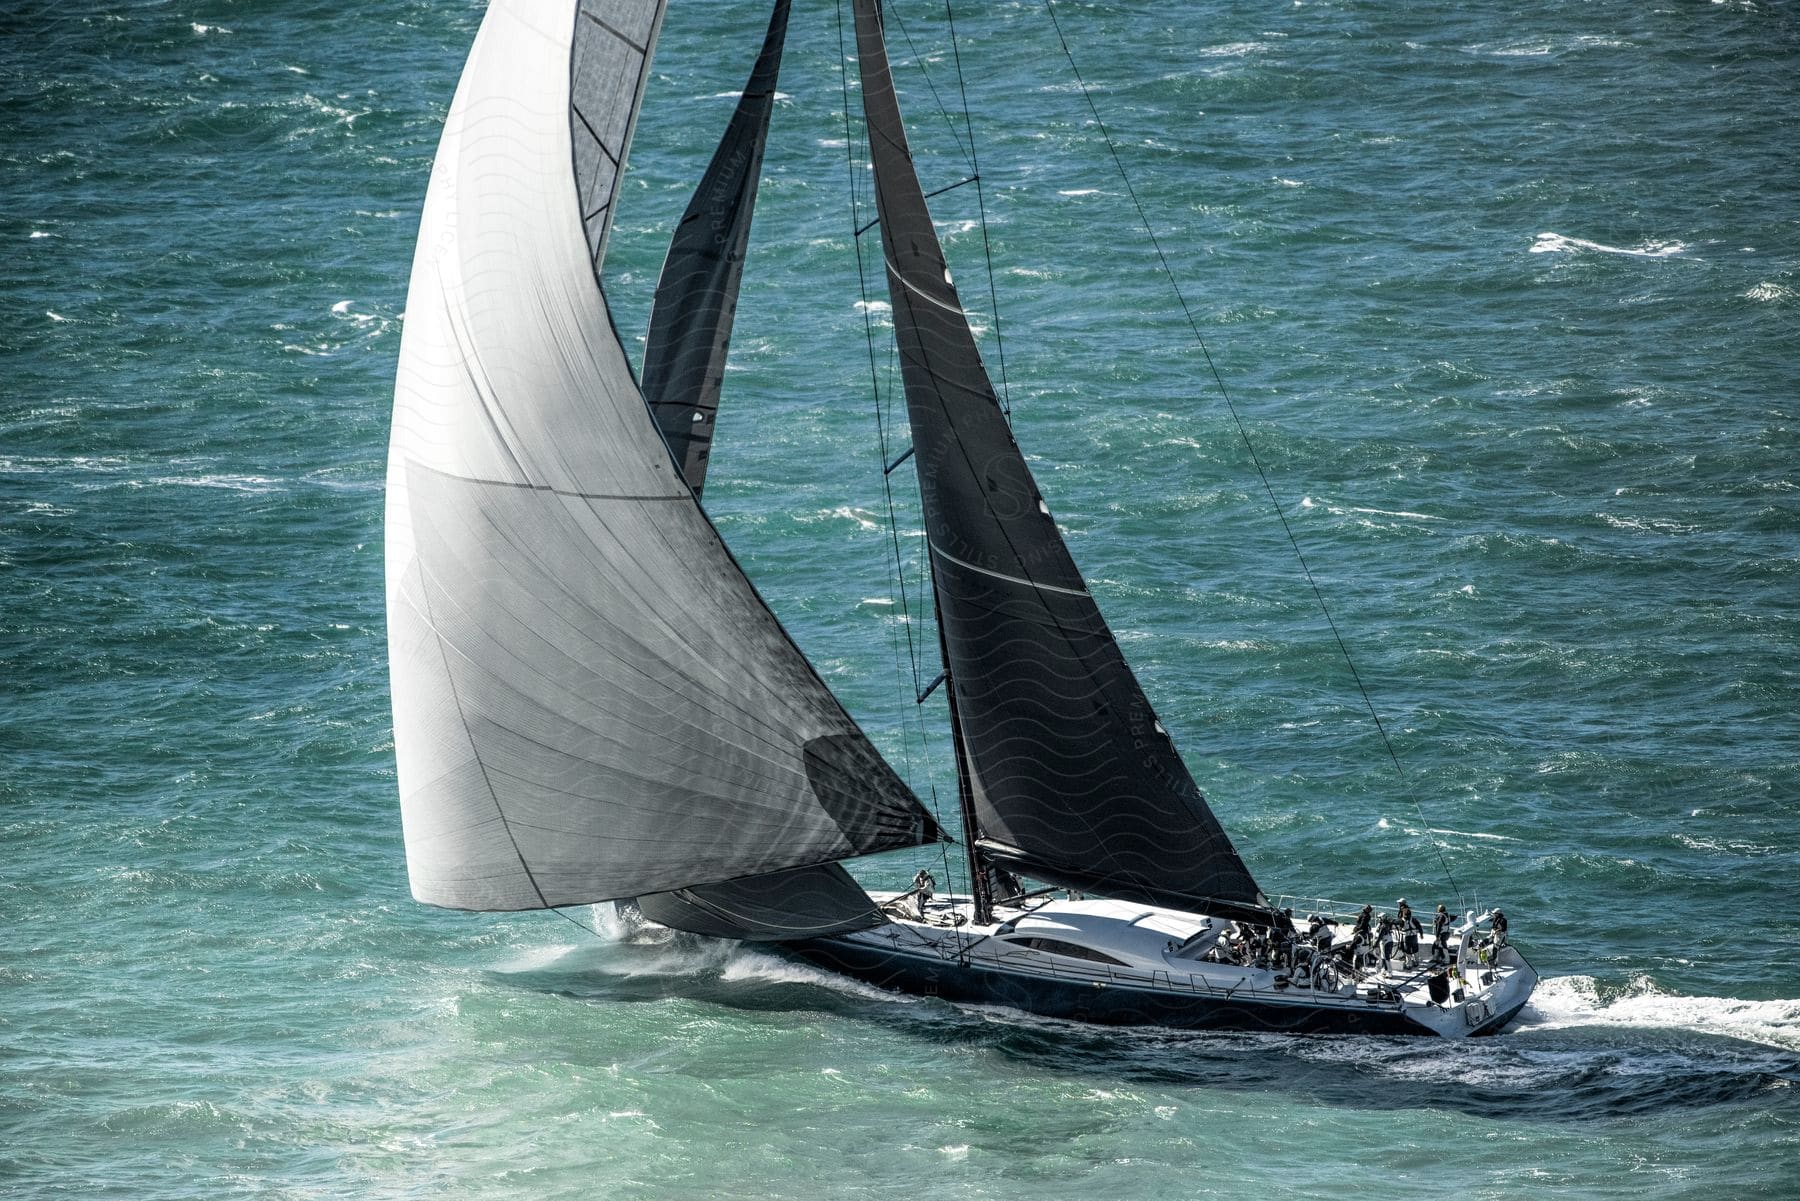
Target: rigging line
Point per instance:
(1244, 435)
(943, 111)
(905, 715)
(881, 437)
(862, 283)
(578, 922)
(950, 878)
(909, 714)
(987, 250)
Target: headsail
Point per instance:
(696, 296)
(1074, 780)
(590, 700)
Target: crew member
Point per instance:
(924, 887)
(1440, 935)
(1384, 935)
(1409, 938)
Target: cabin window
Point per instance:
(1057, 946)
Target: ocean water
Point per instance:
(1508, 298)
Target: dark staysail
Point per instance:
(684, 369)
(590, 700)
(804, 903)
(696, 296)
(1073, 779)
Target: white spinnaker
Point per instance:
(590, 700)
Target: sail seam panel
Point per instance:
(1011, 579)
(599, 143)
(894, 272)
(623, 37)
(776, 768)
(527, 486)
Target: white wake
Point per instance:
(1562, 1002)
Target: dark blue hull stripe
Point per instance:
(1109, 1004)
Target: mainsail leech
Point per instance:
(590, 699)
(1074, 781)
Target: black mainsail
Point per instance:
(590, 699)
(1071, 778)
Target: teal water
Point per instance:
(1510, 303)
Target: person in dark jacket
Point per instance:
(1409, 938)
(1440, 936)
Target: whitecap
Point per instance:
(254, 484)
(1232, 50)
(1471, 834)
(1555, 243)
(1398, 513)
(779, 98)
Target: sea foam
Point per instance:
(1568, 1001)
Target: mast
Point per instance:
(979, 892)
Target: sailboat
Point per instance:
(593, 703)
